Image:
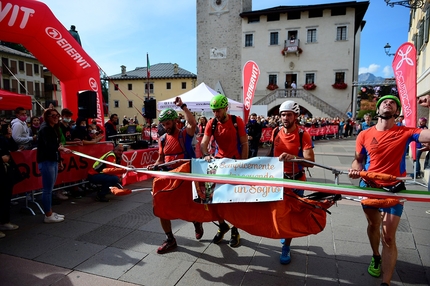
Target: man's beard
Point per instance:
(171, 131)
(287, 124)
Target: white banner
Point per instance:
(259, 167)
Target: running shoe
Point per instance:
(223, 229)
(235, 237)
(8, 226)
(285, 255)
(198, 227)
(53, 218)
(167, 246)
(374, 267)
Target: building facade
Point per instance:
(129, 89)
(315, 46)
(419, 34)
(219, 45)
(22, 73)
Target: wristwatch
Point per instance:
(183, 105)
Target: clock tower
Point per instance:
(219, 44)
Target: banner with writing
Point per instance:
(260, 167)
(266, 133)
(250, 75)
(76, 168)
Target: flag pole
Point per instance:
(148, 74)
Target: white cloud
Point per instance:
(373, 68)
(388, 72)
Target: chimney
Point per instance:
(123, 69)
(175, 69)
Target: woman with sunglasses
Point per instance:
(49, 160)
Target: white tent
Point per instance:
(198, 100)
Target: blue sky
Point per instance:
(116, 33)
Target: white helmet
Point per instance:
(289, 105)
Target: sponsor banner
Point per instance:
(260, 167)
(76, 167)
(405, 71)
(250, 75)
(266, 133)
(145, 134)
(138, 159)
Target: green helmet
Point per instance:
(219, 101)
(389, 96)
(167, 114)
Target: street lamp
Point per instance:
(414, 4)
(387, 48)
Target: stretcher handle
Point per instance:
(363, 174)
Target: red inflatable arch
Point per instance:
(32, 24)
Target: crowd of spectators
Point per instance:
(347, 127)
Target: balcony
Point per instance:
(292, 46)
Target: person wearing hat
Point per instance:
(225, 130)
(290, 142)
(384, 147)
(173, 145)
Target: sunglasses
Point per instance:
(54, 115)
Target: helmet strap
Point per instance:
(386, 117)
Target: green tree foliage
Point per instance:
(15, 46)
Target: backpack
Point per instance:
(188, 154)
(234, 119)
(270, 154)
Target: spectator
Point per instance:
(96, 174)
(110, 127)
(49, 160)
(125, 121)
(253, 129)
(81, 133)
(34, 128)
(66, 129)
(422, 124)
(367, 122)
(20, 130)
(97, 126)
(9, 176)
(200, 133)
(293, 88)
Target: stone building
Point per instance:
(307, 44)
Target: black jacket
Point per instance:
(254, 130)
(48, 141)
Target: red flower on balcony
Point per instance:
(339, 85)
(309, 86)
(272, 86)
(285, 51)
